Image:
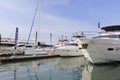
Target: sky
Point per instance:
(59, 17)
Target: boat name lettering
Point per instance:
(117, 48)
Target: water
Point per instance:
(74, 68)
(101, 72)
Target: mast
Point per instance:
(32, 23)
(36, 39)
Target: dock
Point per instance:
(26, 58)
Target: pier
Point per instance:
(26, 58)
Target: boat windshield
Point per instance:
(71, 44)
(78, 36)
(108, 36)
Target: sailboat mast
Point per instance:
(36, 39)
(32, 23)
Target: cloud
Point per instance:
(17, 5)
(21, 15)
(16, 13)
(57, 24)
(53, 2)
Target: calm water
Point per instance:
(59, 69)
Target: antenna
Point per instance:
(50, 38)
(99, 25)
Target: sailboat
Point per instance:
(33, 48)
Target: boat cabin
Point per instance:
(110, 32)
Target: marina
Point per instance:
(78, 59)
(59, 40)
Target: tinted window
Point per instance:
(72, 44)
(108, 36)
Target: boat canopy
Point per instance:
(112, 28)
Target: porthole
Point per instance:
(110, 49)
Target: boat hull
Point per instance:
(33, 51)
(103, 50)
(83, 43)
(69, 51)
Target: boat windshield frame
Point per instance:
(71, 44)
(111, 28)
(108, 36)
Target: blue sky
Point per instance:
(60, 17)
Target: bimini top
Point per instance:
(112, 28)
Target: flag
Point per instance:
(82, 33)
(50, 37)
(0, 40)
(98, 24)
(16, 37)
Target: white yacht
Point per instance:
(60, 42)
(68, 48)
(72, 48)
(105, 47)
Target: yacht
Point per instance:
(71, 48)
(105, 47)
(61, 42)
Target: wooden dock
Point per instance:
(25, 58)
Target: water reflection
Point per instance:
(25, 70)
(101, 72)
(46, 69)
(71, 68)
(59, 69)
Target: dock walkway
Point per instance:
(25, 57)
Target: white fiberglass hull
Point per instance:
(83, 43)
(69, 51)
(103, 50)
(51, 51)
(33, 51)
